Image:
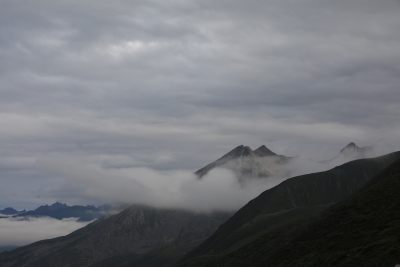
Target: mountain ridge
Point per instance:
(362, 230)
(354, 150)
(291, 203)
(61, 211)
(10, 211)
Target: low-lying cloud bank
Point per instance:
(219, 190)
(165, 189)
(19, 232)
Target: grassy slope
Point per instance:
(277, 215)
(363, 230)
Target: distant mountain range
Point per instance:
(62, 211)
(10, 211)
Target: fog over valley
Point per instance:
(18, 232)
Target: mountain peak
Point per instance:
(263, 151)
(350, 147)
(355, 151)
(244, 161)
(239, 151)
(58, 205)
(236, 153)
(351, 144)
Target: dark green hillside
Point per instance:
(361, 231)
(279, 213)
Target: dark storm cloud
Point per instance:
(173, 84)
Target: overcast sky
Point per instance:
(173, 84)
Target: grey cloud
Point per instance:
(173, 84)
(217, 191)
(220, 190)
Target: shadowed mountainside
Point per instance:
(279, 213)
(363, 230)
(139, 235)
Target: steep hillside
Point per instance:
(139, 235)
(280, 212)
(363, 230)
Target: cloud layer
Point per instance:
(19, 232)
(171, 85)
(219, 190)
